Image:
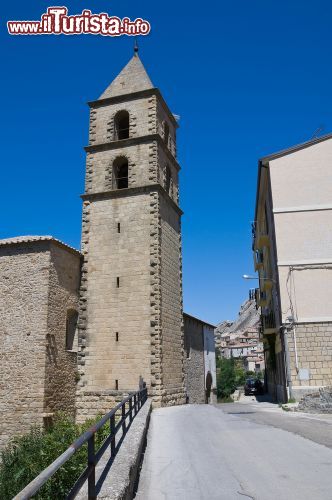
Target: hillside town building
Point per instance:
(241, 340)
(78, 330)
(292, 245)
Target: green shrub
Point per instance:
(226, 378)
(26, 456)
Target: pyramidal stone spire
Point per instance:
(133, 78)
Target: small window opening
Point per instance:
(116, 384)
(117, 282)
(166, 132)
(117, 336)
(168, 178)
(121, 125)
(71, 330)
(119, 227)
(120, 173)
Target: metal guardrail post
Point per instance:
(131, 409)
(92, 465)
(124, 419)
(112, 426)
(135, 404)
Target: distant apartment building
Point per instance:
(292, 245)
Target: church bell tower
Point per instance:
(131, 317)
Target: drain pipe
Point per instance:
(287, 359)
(295, 350)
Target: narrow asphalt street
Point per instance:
(238, 450)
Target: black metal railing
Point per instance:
(253, 234)
(269, 320)
(134, 403)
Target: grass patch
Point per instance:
(227, 399)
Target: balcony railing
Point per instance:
(269, 321)
(253, 233)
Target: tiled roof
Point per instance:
(31, 239)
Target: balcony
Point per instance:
(258, 259)
(253, 233)
(263, 240)
(260, 297)
(269, 322)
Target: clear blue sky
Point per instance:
(247, 79)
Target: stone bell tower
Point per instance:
(131, 322)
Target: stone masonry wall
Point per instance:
(101, 178)
(314, 348)
(89, 404)
(163, 160)
(61, 365)
(194, 361)
(24, 272)
(116, 319)
(171, 304)
(140, 121)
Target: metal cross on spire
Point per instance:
(136, 46)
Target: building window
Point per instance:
(71, 330)
(121, 125)
(117, 336)
(119, 227)
(168, 180)
(116, 384)
(120, 173)
(117, 282)
(166, 132)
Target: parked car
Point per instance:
(253, 386)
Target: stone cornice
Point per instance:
(121, 193)
(133, 141)
(131, 97)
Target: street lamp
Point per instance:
(247, 277)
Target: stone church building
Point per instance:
(80, 329)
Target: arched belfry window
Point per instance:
(71, 330)
(120, 173)
(168, 180)
(166, 133)
(121, 125)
